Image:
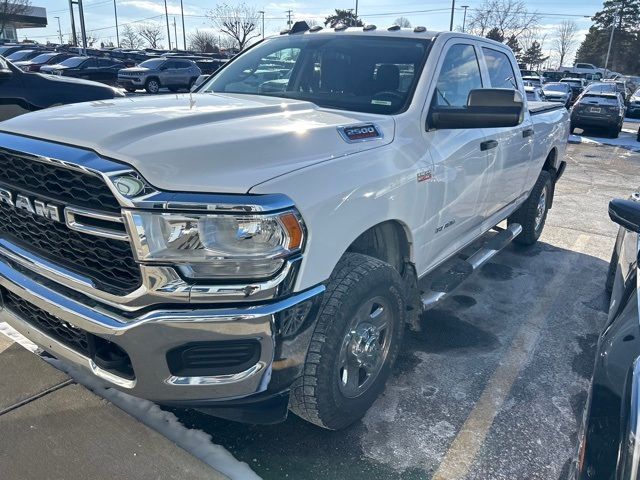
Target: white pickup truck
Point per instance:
(260, 245)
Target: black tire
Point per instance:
(152, 86)
(317, 396)
(614, 132)
(572, 128)
(174, 89)
(129, 89)
(528, 212)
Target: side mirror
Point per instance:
(625, 213)
(5, 73)
(486, 108)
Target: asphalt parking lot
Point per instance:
(494, 384)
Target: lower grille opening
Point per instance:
(213, 358)
(107, 355)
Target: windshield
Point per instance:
(19, 55)
(73, 62)
(153, 64)
(358, 73)
(556, 87)
(43, 57)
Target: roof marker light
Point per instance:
(420, 29)
(366, 28)
(393, 28)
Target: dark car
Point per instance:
(37, 62)
(609, 447)
(21, 55)
(599, 108)
(7, 50)
(22, 92)
(103, 70)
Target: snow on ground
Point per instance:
(627, 139)
(196, 442)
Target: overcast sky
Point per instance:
(435, 15)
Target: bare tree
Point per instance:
(10, 8)
(152, 33)
(203, 41)
(238, 21)
(129, 38)
(92, 40)
(564, 41)
(507, 17)
(402, 22)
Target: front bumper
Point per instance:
(147, 339)
(130, 81)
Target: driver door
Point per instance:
(456, 196)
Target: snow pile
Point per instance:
(627, 139)
(196, 442)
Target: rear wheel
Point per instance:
(532, 214)
(614, 131)
(355, 342)
(152, 86)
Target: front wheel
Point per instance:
(355, 342)
(152, 86)
(532, 214)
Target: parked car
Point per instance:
(7, 50)
(577, 85)
(633, 109)
(22, 92)
(22, 55)
(534, 94)
(622, 87)
(152, 75)
(582, 69)
(611, 423)
(104, 70)
(599, 108)
(260, 250)
(558, 92)
(47, 58)
(534, 80)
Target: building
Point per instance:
(32, 17)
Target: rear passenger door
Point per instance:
(511, 157)
(456, 194)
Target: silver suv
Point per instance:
(173, 73)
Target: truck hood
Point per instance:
(218, 143)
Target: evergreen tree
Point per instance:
(346, 17)
(495, 34)
(513, 44)
(533, 57)
(624, 56)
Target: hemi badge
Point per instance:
(424, 176)
(360, 133)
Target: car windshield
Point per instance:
(19, 55)
(355, 72)
(598, 95)
(574, 83)
(556, 87)
(155, 63)
(43, 57)
(73, 62)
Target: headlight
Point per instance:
(217, 246)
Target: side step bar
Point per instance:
(444, 283)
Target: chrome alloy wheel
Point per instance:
(541, 208)
(365, 347)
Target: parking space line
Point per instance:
(465, 447)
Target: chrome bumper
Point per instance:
(147, 338)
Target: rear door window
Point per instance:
(501, 72)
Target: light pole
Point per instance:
(453, 8)
(74, 36)
(166, 16)
(59, 30)
(261, 12)
(184, 32)
(464, 18)
(613, 29)
(83, 31)
(115, 12)
(356, 9)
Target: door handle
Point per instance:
(488, 145)
(527, 133)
